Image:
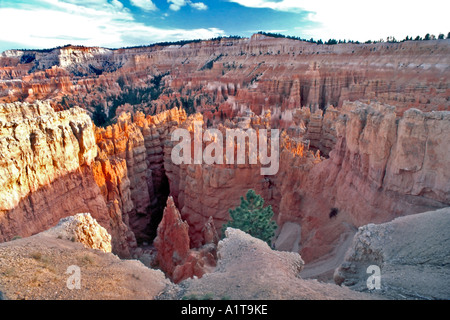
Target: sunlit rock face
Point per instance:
(39, 145)
(131, 168)
(41, 148)
(175, 257)
(47, 161)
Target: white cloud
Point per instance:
(106, 25)
(285, 5)
(146, 5)
(364, 20)
(176, 5)
(199, 5)
(117, 4)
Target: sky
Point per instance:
(37, 24)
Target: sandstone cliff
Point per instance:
(381, 166)
(130, 169)
(38, 146)
(115, 173)
(41, 148)
(48, 157)
(38, 268)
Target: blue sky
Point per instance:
(119, 23)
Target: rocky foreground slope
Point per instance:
(412, 253)
(38, 267)
(248, 269)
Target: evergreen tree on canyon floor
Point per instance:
(251, 217)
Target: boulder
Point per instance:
(84, 229)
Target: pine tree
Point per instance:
(252, 218)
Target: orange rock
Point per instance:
(175, 257)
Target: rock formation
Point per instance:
(41, 266)
(39, 146)
(132, 149)
(47, 158)
(411, 253)
(367, 177)
(175, 257)
(84, 229)
(248, 269)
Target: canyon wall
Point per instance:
(40, 147)
(47, 161)
(132, 151)
(115, 173)
(381, 166)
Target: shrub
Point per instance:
(333, 212)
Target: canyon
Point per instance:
(363, 140)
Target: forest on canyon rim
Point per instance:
(363, 140)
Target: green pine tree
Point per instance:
(252, 218)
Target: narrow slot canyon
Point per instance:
(158, 210)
